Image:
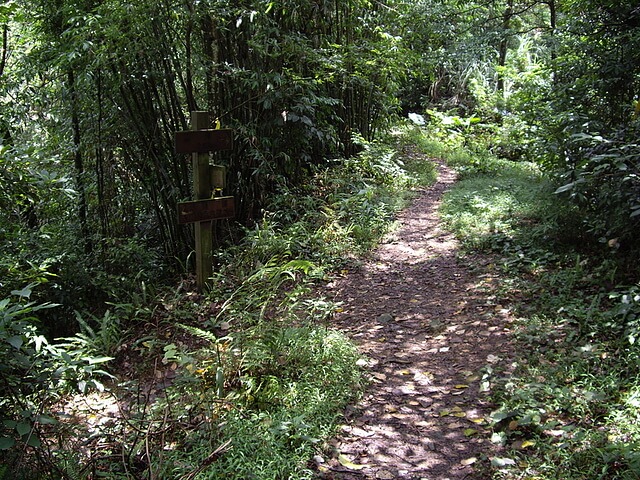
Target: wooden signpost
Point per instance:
(204, 210)
(207, 179)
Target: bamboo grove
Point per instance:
(93, 90)
(115, 80)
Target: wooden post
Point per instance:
(201, 191)
(207, 181)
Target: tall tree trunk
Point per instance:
(209, 50)
(553, 18)
(504, 44)
(78, 163)
(191, 101)
(5, 48)
(103, 208)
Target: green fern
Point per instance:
(71, 467)
(200, 333)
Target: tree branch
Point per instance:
(5, 47)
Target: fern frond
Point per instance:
(200, 333)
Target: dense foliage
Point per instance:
(92, 92)
(570, 408)
(247, 377)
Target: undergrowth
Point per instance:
(244, 382)
(571, 409)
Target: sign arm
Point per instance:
(199, 141)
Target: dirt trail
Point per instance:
(427, 323)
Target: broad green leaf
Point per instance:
(40, 340)
(16, 341)
(45, 305)
(499, 415)
(34, 441)
(46, 420)
(565, 188)
(23, 428)
(6, 443)
(95, 360)
(594, 396)
(24, 293)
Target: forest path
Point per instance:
(428, 323)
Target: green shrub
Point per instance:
(35, 374)
(560, 412)
(283, 387)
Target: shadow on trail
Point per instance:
(434, 336)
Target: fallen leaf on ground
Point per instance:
(502, 462)
(345, 462)
(522, 444)
(468, 461)
(384, 475)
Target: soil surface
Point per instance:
(434, 337)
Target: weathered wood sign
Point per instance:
(203, 141)
(207, 180)
(209, 209)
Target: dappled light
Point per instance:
(433, 335)
(224, 252)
